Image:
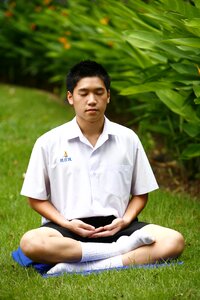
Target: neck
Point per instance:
(91, 130)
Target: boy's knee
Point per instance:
(177, 244)
(29, 243)
(180, 242)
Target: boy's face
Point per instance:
(89, 99)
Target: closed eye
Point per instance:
(99, 91)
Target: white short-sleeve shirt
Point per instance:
(85, 181)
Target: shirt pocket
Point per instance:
(117, 180)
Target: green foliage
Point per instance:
(151, 49)
(24, 115)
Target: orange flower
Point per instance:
(8, 14)
(62, 40)
(67, 46)
(104, 21)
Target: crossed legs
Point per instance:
(168, 244)
(47, 245)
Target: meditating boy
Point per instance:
(89, 179)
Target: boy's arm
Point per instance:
(135, 206)
(47, 210)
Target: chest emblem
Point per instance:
(65, 157)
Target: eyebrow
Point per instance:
(95, 89)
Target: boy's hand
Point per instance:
(81, 228)
(109, 230)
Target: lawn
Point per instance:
(24, 115)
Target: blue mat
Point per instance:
(42, 269)
(24, 261)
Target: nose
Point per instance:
(91, 99)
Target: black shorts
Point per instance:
(97, 222)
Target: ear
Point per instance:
(70, 98)
(108, 97)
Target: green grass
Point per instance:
(24, 115)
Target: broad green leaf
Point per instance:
(184, 8)
(197, 3)
(24, 52)
(177, 104)
(159, 128)
(146, 87)
(142, 39)
(191, 129)
(140, 58)
(197, 101)
(56, 78)
(171, 51)
(53, 54)
(168, 20)
(196, 89)
(189, 42)
(184, 68)
(195, 23)
(191, 151)
(159, 57)
(118, 8)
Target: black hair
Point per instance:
(86, 68)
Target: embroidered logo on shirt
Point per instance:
(65, 157)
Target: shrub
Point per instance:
(151, 48)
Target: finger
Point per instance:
(87, 226)
(99, 229)
(110, 227)
(84, 233)
(102, 234)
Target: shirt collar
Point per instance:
(109, 129)
(74, 130)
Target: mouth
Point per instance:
(91, 110)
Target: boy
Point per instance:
(90, 179)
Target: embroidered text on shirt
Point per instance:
(65, 157)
